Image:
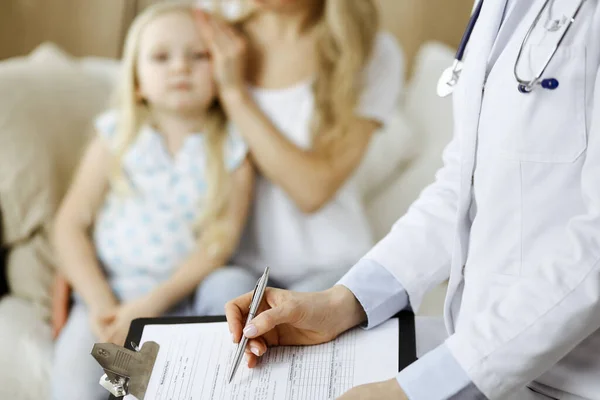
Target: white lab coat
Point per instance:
(513, 218)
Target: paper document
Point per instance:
(194, 359)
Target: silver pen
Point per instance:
(257, 296)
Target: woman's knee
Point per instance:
(222, 285)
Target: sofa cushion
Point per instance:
(3, 252)
(47, 104)
(431, 115)
(45, 114)
(25, 351)
(30, 273)
(390, 150)
(431, 118)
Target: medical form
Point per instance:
(193, 361)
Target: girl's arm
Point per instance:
(202, 262)
(71, 233)
(310, 177)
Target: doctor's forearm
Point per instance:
(344, 303)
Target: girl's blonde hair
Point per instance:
(347, 30)
(133, 114)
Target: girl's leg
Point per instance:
(223, 285)
(75, 373)
(318, 281)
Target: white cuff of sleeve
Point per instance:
(438, 376)
(377, 290)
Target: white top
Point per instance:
(142, 237)
(279, 234)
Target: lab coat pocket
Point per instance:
(545, 125)
(484, 294)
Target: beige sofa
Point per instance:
(47, 102)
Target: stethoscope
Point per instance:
(451, 75)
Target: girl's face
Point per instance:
(173, 65)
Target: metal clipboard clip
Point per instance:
(126, 371)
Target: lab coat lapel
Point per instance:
(514, 15)
(468, 107)
(474, 74)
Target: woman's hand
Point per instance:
(120, 319)
(389, 389)
(228, 50)
(61, 293)
(292, 318)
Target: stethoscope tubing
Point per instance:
(525, 86)
(460, 53)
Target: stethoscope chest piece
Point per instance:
(449, 79)
(549, 84)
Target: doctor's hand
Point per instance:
(389, 389)
(292, 318)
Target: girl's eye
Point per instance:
(200, 55)
(160, 57)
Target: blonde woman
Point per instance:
(158, 203)
(307, 83)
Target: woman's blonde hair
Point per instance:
(133, 113)
(347, 33)
(347, 30)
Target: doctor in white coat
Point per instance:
(512, 219)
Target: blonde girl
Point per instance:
(307, 83)
(159, 201)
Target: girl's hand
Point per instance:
(61, 293)
(121, 319)
(228, 50)
(293, 318)
(100, 321)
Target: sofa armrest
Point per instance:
(3, 257)
(3, 282)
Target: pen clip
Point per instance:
(254, 294)
(262, 281)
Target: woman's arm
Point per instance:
(202, 262)
(71, 233)
(310, 177)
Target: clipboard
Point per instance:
(406, 338)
